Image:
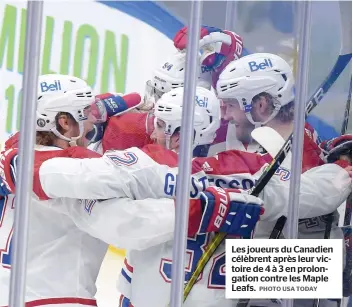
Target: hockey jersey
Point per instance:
(63, 261)
(130, 173)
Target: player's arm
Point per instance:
(123, 222)
(140, 224)
(8, 170)
(137, 176)
(117, 174)
(80, 179)
(322, 190)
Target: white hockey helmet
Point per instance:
(207, 116)
(61, 93)
(253, 74)
(168, 76)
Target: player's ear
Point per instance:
(175, 140)
(63, 123)
(261, 106)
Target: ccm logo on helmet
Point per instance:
(167, 66)
(45, 87)
(202, 101)
(263, 65)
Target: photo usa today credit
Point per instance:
(285, 269)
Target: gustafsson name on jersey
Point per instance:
(201, 182)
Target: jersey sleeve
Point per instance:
(125, 280)
(125, 173)
(79, 178)
(8, 168)
(322, 190)
(123, 222)
(125, 131)
(134, 174)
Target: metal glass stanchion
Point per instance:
(26, 154)
(185, 156)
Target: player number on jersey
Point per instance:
(123, 158)
(195, 249)
(5, 251)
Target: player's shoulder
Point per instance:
(43, 153)
(231, 162)
(126, 131)
(147, 156)
(161, 155)
(80, 152)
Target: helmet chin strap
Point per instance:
(167, 141)
(73, 140)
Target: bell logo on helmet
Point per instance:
(263, 65)
(45, 87)
(202, 101)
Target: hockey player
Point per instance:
(83, 253)
(217, 172)
(48, 174)
(267, 99)
(89, 208)
(218, 49)
(55, 244)
(133, 282)
(63, 261)
(267, 102)
(141, 177)
(222, 47)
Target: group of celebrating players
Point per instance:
(106, 166)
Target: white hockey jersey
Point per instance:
(135, 174)
(63, 261)
(139, 174)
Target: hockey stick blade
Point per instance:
(342, 61)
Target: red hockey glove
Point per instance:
(339, 148)
(225, 210)
(220, 46)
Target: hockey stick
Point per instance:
(347, 110)
(348, 212)
(341, 63)
(330, 217)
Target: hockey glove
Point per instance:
(231, 211)
(220, 46)
(108, 105)
(339, 148)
